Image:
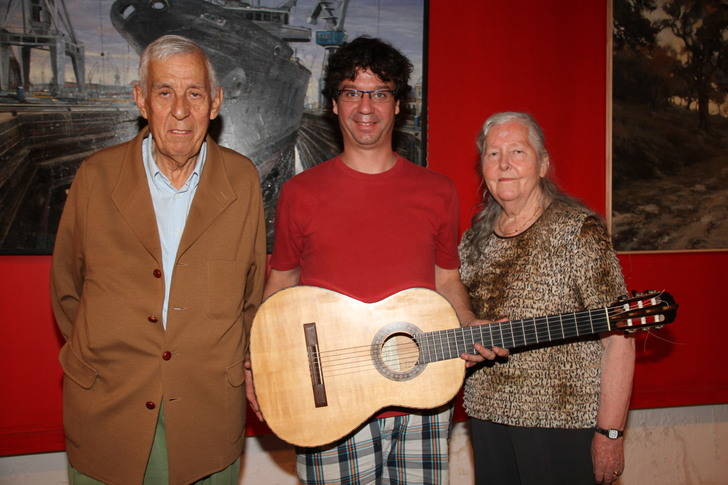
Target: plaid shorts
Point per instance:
(398, 450)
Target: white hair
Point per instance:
(535, 133)
(483, 222)
(171, 45)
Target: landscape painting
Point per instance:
(67, 68)
(670, 125)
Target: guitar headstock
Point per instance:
(640, 311)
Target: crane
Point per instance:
(46, 26)
(333, 13)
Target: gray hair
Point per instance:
(535, 133)
(171, 45)
(483, 222)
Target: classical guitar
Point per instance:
(323, 362)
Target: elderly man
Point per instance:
(157, 270)
(369, 223)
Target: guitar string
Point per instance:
(446, 343)
(353, 366)
(578, 322)
(530, 326)
(410, 356)
(407, 355)
(451, 336)
(541, 325)
(412, 350)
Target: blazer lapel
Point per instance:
(214, 195)
(131, 196)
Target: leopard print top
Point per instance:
(564, 262)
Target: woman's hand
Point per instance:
(607, 457)
(483, 352)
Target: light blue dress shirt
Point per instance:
(171, 207)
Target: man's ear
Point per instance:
(140, 100)
(216, 103)
(334, 107)
(396, 107)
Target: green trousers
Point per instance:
(157, 472)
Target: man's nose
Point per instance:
(181, 107)
(365, 105)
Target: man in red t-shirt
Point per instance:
(369, 223)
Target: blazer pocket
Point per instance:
(235, 400)
(78, 381)
(75, 369)
(225, 289)
(235, 374)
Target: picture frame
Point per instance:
(269, 56)
(667, 132)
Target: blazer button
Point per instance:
(150, 405)
(167, 355)
(157, 273)
(153, 318)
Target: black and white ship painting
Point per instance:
(268, 56)
(264, 83)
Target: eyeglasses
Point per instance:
(352, 95)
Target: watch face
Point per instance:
(613, 434)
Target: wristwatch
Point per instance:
(612, 434)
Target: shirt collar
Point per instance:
(156, 175)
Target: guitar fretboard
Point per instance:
(513, 334)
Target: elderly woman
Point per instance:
(552, 414)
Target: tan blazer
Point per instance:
(107, 289)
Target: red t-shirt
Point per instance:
(367, 235)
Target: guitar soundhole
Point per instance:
(395, 352)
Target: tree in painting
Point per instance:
(701, 26)
(670, 125)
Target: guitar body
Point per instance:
(315, 387)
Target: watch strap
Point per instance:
(612, 434)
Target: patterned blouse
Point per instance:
(563, 263)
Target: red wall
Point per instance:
(30, 406)
(546, 57)
(543, 57)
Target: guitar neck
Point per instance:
(513, 334)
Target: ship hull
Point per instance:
(264, 86)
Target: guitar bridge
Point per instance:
(314, 365)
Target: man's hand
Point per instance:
(607, 457)
(483, 352)
(250, 390)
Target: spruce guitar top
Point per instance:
(324, 362)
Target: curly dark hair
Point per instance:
(369, 53)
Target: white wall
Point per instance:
(669, 446)
(686, 446)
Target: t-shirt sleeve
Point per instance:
(599, 278)
(288, 238)
(446, 242)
